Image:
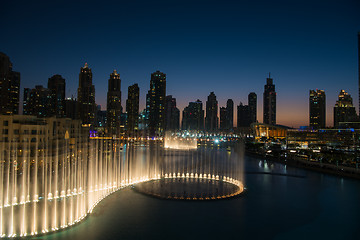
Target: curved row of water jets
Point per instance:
(67, 187)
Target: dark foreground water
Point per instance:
(299, 205)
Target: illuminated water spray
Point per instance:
(47, 186)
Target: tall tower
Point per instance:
(269, 102)
(156, 98)
(317, 107)
(9, 87)
(172, 114)
(344, 111)
(132, 109)
(193, 117)
(359, 66)
(211, 119)
(86, 96)
(113, 104)
(252, 102)
(229, 114)
(243, 116)
(56, 86)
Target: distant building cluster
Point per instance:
(161, 113)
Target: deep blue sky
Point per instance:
(223, 46)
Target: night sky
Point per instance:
(228, 47)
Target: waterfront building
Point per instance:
(317, 109)
(269, 102)
(193, 117)
(211, 119)
(132, 110)
(252, 102)
(9, 87)
(56, 86)
(172, 114)
(344, 111)
(86, 96)
(113, 106)
(266, 131)
(156, 101)
(243, 116)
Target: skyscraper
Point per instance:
(132, 109)
(156, 98)
(243, 116)
(37, 102)
(9, 87)
(344, 111)
(113, 105)
(317, 107)
(223, 118)
(359, 66)
(269, 102)
(252, 102)
(193, 117)
(86, 96)
(211, 119)
(172, 114)
(229, 114)
(56, 86)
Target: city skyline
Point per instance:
(315, 48)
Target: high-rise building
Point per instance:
(37, 102)
(132, 109)
(243, 116)
(223, 118)
(9, 87)
(71, 108)
(86, 96)
(269, 102)
(172, 122)
(56, 86)
(317, 107)
(26, 101)
(359, 67)
(193, 117)
(211, 119)
(113, 106)
(229, 115)
(252, 102)
(156, 98)
(344, 111)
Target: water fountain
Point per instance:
(47, 186)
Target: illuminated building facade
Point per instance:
(132, 109)
(113, 104)
(9, 87)
(193, 117)
(86, 96)
(269, 102)
(211, 119)
(317, 108)
(37, 102)
(344, 111)
(156, 101)
(56, 86)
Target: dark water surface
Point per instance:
(279, 203)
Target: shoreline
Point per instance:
(339, 171)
